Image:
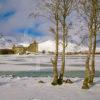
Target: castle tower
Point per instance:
(33, 47)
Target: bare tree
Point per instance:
(65, 10)
(89, 8)
(50, 9)
(53, 5)
(60, 9)
(95, 28)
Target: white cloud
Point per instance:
(21, 19)
(23, 8)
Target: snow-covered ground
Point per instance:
(41, 62)
(24, 62)
(30, 89)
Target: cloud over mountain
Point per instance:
(15, 22)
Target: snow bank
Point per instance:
(31, 89)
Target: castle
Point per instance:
(20, 49)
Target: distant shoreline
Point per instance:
(10, 51)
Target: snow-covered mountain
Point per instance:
(24, 44)
(49, 46)
(6, 42)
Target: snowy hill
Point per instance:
(49, 46)
(23, 44)
(6, 42)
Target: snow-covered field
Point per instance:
(29, 88)
(41, 62)
(24, 62)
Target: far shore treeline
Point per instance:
(6, 51)
(11, 51)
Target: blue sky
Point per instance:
(3, 1)
(6, 15)
(15, 21)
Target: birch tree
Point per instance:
(95, 28)
(49, 10)
(64, 9)
(53, 6)
(90, 13)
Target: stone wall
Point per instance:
(32, 48)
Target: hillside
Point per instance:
(6, 42)
(49, 46)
